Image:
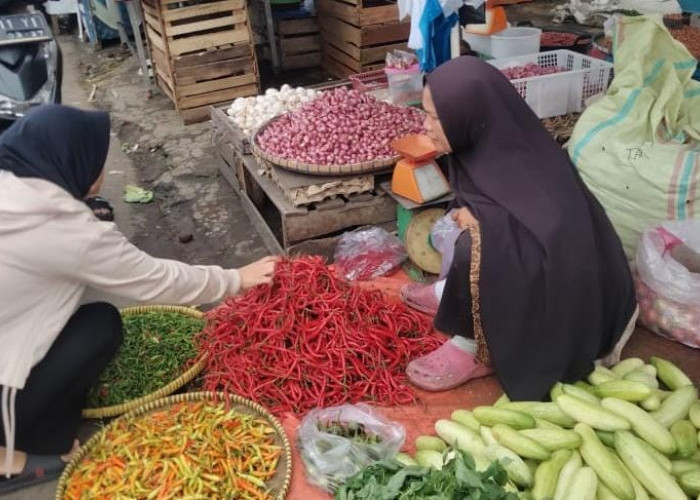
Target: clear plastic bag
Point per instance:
(330, 459)
(367, 253)
(443, 236)
(669, 292)
(401, 60)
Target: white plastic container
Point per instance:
(560, 93)
(479, 43)
(515, 42)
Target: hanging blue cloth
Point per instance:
(436, 29)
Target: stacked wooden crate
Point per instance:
(202, 51)
(299, 42)
(357, 34)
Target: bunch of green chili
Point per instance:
(157, 348)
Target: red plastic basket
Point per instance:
(370, 81)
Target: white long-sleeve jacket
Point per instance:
(53, 249)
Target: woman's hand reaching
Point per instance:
(258, 273)
(464, 218)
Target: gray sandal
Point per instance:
(38, 469)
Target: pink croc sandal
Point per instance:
(420, 297)
(445, 368)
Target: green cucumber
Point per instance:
(627, 390)
(429, 458)
(566, 475)
(575, 391)
(643, 424)
(686, 438)
(627, 366)
(519, 443)
(487, 415)
(602, 460)
(430, 443)
(677, 406)
(554, 440)
(592, 414)
(466, 418)
(657, 480)
(547, 474)
(583, 486)
(672, 376)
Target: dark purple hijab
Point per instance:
(555, 289)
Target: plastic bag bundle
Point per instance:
(336, 443)
(368, 253)
(668, 285)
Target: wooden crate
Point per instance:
(202, 51)
(357, 35)
(284, 227)
(298, 43)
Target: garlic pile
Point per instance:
(250, 113)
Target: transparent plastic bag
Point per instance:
(443, 236)
(368, 252)
(668, 292)
(401, 60)
(330, 459)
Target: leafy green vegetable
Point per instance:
(458, 479)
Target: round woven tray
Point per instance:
(166, 390)
(279, 483)
(314, 169)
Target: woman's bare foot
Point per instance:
(19, 459)
(68, 456)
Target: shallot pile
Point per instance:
(251, 113)
(340, 127)
(558, 39)
(530, 70)
(313, 340)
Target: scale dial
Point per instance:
(431, 183)
(418, 246)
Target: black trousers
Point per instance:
(49, 407)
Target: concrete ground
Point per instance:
(151, 148)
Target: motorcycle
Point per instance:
(31, 65)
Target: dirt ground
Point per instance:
(196, 216)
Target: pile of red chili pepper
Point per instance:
(313, 340)
(191, 450)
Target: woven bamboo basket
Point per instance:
(279, 483)
(166, 390)
(366, 167)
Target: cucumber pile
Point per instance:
(629, 433)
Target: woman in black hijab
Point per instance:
(53, 251)
(539, 279)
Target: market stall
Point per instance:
(300, 388)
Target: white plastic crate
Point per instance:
(559, 93)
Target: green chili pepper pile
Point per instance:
(157, 348)
(191, 450)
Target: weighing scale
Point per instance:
(417, 176)
(419, 187)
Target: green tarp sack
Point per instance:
(638, 147)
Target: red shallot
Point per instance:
(340, 127)
(530, 70)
